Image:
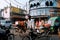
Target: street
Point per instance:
(55, 37)
(51, 37)
(20, 18)
(18, 38)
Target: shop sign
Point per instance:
(15, 10)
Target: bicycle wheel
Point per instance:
(43, 38)
(11, 37)
(26, 38)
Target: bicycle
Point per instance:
(10, 36)
(36, 36)
(6, 35)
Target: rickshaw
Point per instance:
(55, 24)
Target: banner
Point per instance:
(15, 10)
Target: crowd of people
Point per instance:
(38, 24)
(24, 25)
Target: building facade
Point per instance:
(13, 13)
(5, 13)
(43, 9)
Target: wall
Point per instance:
(6, 13)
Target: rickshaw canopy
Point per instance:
(53, 19)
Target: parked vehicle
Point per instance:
(55, 24)
(6, 35)
(6, 23)
(34, 35)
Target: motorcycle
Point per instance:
(6, 35)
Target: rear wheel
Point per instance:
(26, 38)
(11, 37)
(43, 38)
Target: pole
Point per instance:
(26, 7)
(10, 11)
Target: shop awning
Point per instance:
(53, 19)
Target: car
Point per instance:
(6, 23)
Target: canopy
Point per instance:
(53, 19)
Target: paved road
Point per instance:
(54, 37)
(18, 38)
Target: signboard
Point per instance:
(15, 10)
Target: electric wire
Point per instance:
(10, 3)
(18, 2)
(14, 3)
(6, 2)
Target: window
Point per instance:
(47, 3)
(31, 13)
(43, 12)
(31, 5)
(8, 21)
(34, 4)
(47, 11)
(51, 3)
(38, 12)
(38, 4)
(3, 21)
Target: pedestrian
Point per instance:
(37, 25)
(41, 24)
(25, 23)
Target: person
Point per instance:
(42, 24)
(37, 25)
(56, 26)
(25, 24)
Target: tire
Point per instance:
(26, 38)
(11, 37)
(43, 38)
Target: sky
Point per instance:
(19, 3)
